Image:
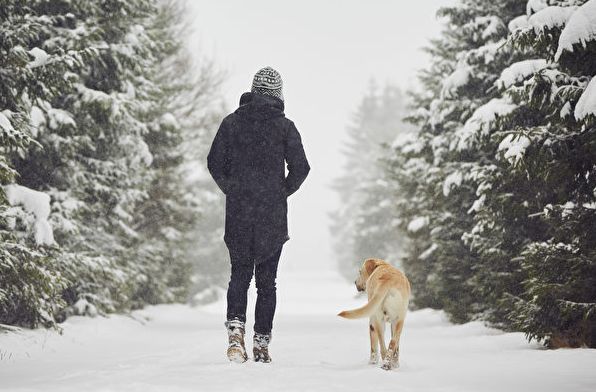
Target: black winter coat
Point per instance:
(247, 161)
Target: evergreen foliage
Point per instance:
(90, 95)
(365, 225)
(502, 171)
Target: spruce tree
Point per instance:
(550, 153)
(436, 171)
(497, 191)
(183, 120)
(365, 226)
(92, 94)
(94, 158)
(30, 286)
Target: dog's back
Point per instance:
(388, 292)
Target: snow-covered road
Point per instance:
(179, 348)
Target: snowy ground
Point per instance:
(178, 348)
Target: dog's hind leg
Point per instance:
(391, 359)
(374, 342)
(380, 331)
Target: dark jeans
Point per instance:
(265, 274)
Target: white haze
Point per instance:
(327, 53)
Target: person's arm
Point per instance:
(298, 167)
(218, 160)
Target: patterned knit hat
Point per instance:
(268, 81)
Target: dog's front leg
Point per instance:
(374, 343)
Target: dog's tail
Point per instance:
(369, 308)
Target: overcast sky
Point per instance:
(327, 52)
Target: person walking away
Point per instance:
(248, 160)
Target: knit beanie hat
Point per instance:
(268, 81)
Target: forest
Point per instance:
(104, 117)
(485, 189)
(480, 183)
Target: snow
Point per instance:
(91, 95)
(453, 180)
(487, 52)
(586, 105)
(580, 28)
(481, 120)
(59, 117)
(459, 78)
(418, 223)
(533, 6)
(142, 153)
(169, 121)
(565, 110)
(385, 203)
(5, 123)
(40, 58)
(402, 139)
(137, 31)
(477, 205)
(514, 146)
(129, 231)
(83, 307)
(518, 23)
(36, 118)
(567, 209)
(37, 203)
(550, 17)
(178, 348)
(518, 72)
(493, 23)
(121, 213)
(414, 145)
(429, 251)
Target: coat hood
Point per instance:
(260, 107)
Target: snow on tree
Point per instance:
(514, 161)
(519, 71)
(514, 146)
(30, 287)
(484, 117)
(586, 104)
(87, 120)
(555, 161)
(533, 6)
(181, 219)
(437, 171)
(579, 30)
(503, 169)
(38, 205)
(549, 18)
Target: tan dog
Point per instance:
(388, 292)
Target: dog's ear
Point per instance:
(370, 265)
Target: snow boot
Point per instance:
(236, 350)
(260, 348)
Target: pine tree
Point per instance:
(436, 172)
(548, 154)
(30, 287)
(95, 86)
(504, 165)
(175, 205)
(365, 225)
(94, 159)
